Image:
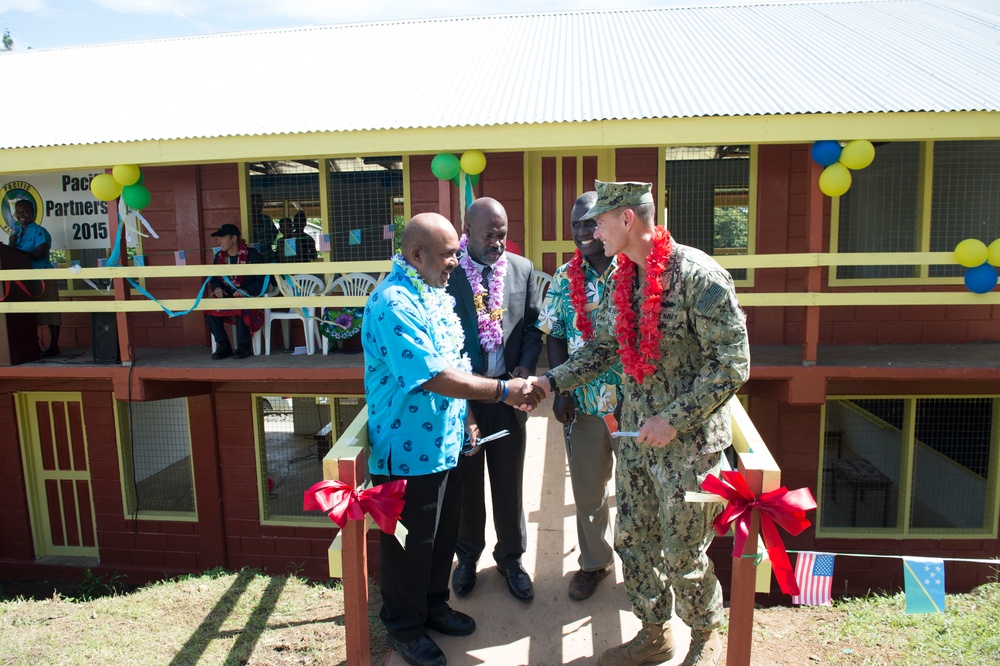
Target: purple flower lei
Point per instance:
(490, 324)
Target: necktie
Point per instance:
(487, 272)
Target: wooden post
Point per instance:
(741, 593)
(347, 461)
(762, 475)
(355, 579)
(814, 274)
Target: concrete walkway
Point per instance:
(552, 629)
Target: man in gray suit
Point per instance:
(496, 299)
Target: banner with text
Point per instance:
(63, 205)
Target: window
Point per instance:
(352, 216)
(155, 448)
(365, 201)
(910, 466)
(293, 435)
(708, 199)
(279, 195)
(886, 209)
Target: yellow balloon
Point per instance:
(971, 252)
(993, 253)
(835, 180)
(105, 187)
(126, 174)
(473, 162)
(857, 154)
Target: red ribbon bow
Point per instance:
(785, 507)
(383, 503)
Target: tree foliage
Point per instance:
(8, 41)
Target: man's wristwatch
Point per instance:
(552, 382)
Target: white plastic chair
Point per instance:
(351, 284)
(542, 282)
(291, 286)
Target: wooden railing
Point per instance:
(347, 459)
(935, 291)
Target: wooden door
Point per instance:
(555, 180)
(57, 473)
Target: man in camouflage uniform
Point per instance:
(680, 412)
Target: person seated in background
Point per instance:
(303, 247)
(305, 244)
(35, 240)
(264, 231)
(234, 250)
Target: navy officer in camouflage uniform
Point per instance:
(679, 408)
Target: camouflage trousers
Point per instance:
(663, 540)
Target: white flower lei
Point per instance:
(445, 326)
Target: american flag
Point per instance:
(814, 574)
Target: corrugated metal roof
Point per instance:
(759, 59)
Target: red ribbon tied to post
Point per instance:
(338, 500)
(782, 506)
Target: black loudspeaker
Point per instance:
(104, 328)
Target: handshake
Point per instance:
(525, 391)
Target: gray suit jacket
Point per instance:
(522, 341)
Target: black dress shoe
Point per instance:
(464, 579)
(451, 623)
(222, 353)
(421, 651)
(519, 583)
(242, 352)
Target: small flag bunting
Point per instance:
(324, 243)
(389, 232)
(923, 580)
(814, 575)
(180, 258)
(289, 247)
(354, 237)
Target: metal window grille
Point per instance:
(156, 457)
(965, 197)
(708, 198)
(365, 202)
(880, 213)
(947, 485)
(281, 193)
(951, 462)
(294, 433)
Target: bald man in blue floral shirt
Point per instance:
(417, 381)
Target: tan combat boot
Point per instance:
(706, 648)
(654, 644)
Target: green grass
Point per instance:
(249, 618)
(966, 633)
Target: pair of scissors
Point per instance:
(483, 440)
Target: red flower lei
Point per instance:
(578, 296)
(639, 362)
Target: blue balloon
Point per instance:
(826, 152)
(981, 279)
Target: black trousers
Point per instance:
(414, 580)
(217, 325)
(505, 459)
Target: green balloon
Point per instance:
(445, 166)
(136, 196)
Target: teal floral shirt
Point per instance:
(558, 318)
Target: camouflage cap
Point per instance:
(615, 195)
